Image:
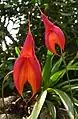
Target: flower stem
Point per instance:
(29, 21)
(5, 78)
(68, 81)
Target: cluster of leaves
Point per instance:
(56, 91)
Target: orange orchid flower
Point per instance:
(27, 67)
(53, 35)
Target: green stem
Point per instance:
(68, 81)
(29, 22)
(5, 78)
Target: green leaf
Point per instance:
(38, 106)
(56, 66)
(17, 50)
(72, 67)
(76, 101)
(47, 70)
(75, 64)
(73, 87)
(65, 100)
(56, 77)
(51, 108)
(66, 82)
(72, 61)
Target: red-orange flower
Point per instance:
(53, 35)
(27, 67)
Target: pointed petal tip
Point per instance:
(19, 74)
(28, 47)
(35, 75)
(20, 92)
(63, 49)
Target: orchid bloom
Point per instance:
(27, 67)
(53, 35)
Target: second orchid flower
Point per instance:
(53, 35)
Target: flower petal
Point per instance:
(34, 74)
(19, 74)
(28, 48)
(53, 38)
(60, 35)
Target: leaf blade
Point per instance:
(65, 100)
(52, 109)
(38, 106)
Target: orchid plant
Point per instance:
(27, 69)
